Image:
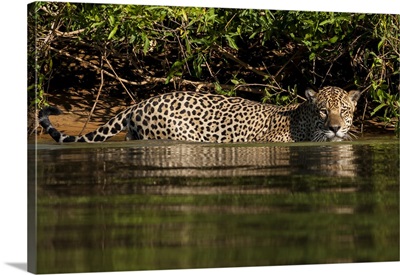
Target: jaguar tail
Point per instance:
(110, 129)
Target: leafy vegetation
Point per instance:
(268, 55)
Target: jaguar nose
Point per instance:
(334, 128)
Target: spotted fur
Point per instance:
(325, 116)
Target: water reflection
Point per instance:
(157, 205)
(196, 160)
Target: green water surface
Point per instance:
(146, 205)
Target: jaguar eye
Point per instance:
(323, 112)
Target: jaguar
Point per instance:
(325, 115)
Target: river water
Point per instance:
(143, 205)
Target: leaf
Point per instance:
(328, 21)
(112, 33)
(217, 87)
(252, 36)
(188, 47)
(31, 87)
(333, 39)
(111, 19)
(380, 44)
(146, 45)
(175, 70)
(94, 25)
(380, 106)
(231, 42)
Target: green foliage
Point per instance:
(384, 71)
(238, 47)
(39, 61)
(320, 31)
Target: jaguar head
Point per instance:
(334, 109)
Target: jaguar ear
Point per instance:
(310, 95)
(354, 95)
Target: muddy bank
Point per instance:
(76, 109)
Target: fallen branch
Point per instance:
(69, 34)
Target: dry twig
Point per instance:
(97, 98)
(119, 79)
